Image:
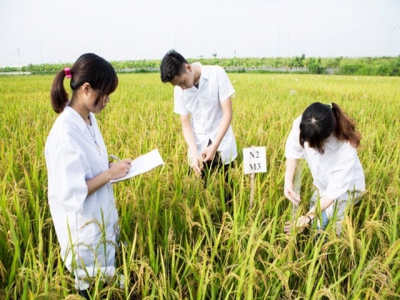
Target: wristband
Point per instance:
(309, 219)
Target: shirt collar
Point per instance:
(205, 73)
(75, 117)
(332, 142)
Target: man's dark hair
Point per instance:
(173, 64)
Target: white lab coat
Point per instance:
(86, 226)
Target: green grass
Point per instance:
(177, 239)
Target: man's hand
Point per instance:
(197, 165)
(209, 153)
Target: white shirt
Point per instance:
(204, 106)
(336, 171)
(72, 157)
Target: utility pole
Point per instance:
(19, 57)
(279, 36)
(41, 55)
(390, 41)
(176, 37)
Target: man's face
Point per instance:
(186, 80)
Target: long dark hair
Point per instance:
(89, 68)
(319, 121)
(172, 65)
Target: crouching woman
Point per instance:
(326, 138)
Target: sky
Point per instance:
(55, 31)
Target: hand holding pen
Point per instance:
(120, 168)
(112, 156)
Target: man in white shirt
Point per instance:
(202, 98)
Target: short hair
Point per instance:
(173, 64)
(317, 124)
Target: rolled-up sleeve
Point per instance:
(225, 87)
(342, 175)
(293, 148)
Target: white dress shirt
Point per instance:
(75, 152)
(204, 106)
(335, 172)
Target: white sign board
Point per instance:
(254, 160)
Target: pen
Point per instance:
(114, 157)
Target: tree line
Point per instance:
(371, 66)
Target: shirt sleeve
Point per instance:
(179, 104)
(293, 148)
(225, 87)
(70, 180)
(342, 174)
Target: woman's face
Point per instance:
(103, 102)
(92, 98)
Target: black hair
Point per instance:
(89, 68)
(173, 64)
(319, 121)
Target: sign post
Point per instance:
(254, 161)
(297, 186)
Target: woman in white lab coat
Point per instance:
(80, 194)
(326, 138)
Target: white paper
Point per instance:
(254, 160)
(143, 164)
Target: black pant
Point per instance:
(216, 165)
(84, 294)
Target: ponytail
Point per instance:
(345, 129)
(319, 121)
(89, 68)
(58, 94)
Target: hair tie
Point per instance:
(67, 72)
(330, 105)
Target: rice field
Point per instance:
(178, 240)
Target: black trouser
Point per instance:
(215, 165)
(84, 294)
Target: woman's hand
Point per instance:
(115, 171)
(301, 223)
(120, 169)
(291, 194)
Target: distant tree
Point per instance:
(277, 62)
(314, 66)
(396, 69)
(298, 61)
(214, 54)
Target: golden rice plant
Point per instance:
(178, 240)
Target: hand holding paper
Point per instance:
(143, 164)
